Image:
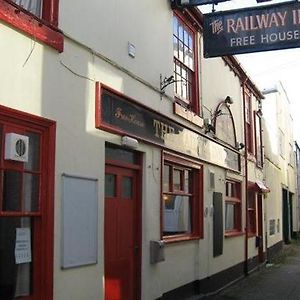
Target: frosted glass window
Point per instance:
(110, 185)
(229, 216)
(127, 187)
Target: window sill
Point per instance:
(188, 115)
(178, 238)
(230, 234)
(36, 28)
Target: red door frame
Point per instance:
(43, 277)
(138, 218)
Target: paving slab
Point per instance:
(279, 280)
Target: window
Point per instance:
(26, 207)
(258, 140)
(251, 213)
(185, 64)
(233, 209)
(37, 18)
(181, 199)
(249, 126)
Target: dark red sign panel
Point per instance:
(262, 28)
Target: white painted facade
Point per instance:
(38, 80)
(280, 162)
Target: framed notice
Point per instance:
(79, 221)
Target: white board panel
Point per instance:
(79, 221)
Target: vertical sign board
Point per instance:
(263, 28)
(79, 221)
(218, 230)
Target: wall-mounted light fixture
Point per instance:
(208, 125)
(165, 82)
(259, 113)
(129, 142)
(228, 100)
(240, 146)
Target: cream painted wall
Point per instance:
(62, 87)
(108, 26)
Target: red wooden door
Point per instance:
(121, 234)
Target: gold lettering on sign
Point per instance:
(130, 118)
(217, 26)
(296, 16)
(263, 21)
(161, 129)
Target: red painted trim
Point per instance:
(123, 165)
(99, 124)
(44, 224)
(43, 30)
(229, 234)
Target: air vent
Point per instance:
(16, 147)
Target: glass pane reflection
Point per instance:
(177, 214)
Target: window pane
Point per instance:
(229, 216)
(33, 6)
(185, 37)
(110, 185)
(177, 180)
(175, 47)
(187, 181)
(175, 26)
(31, 192)
(181, 49)
(127, 187)
(177, 215)
(180, 33)
(12, 188)
(15, 279)
(190, 62)
(120, 154)
(34, 152)
(191, 44)
(166, 178)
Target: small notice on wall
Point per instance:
(23, 246)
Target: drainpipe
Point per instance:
(246, 179)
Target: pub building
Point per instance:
(131, 167)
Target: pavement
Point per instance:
(279, 280)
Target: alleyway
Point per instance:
(280, 280)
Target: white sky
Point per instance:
(266, 68)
